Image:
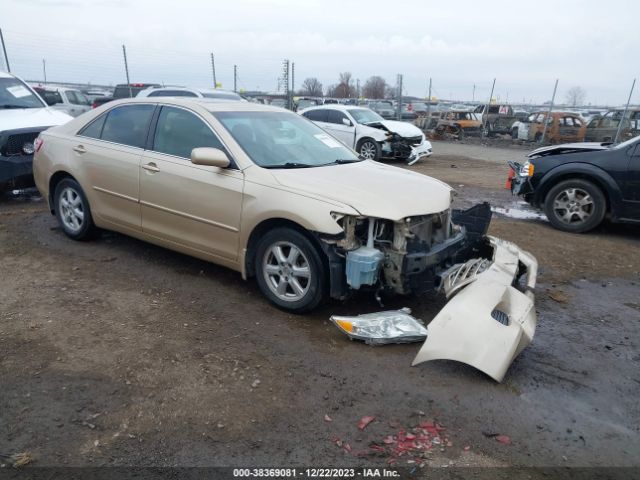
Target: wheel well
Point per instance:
(581, 176)
(55, 179)
(266, 225)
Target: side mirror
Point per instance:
(347, 122)
(212, 157)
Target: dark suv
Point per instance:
(123, 90)
(577, 184)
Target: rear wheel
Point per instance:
(290, 271)
(369, 149)
(72, 210)
(575, 206)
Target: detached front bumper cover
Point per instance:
(489, 321)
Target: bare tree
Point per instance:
(576, 96)
(345, 88)
(375, 87)
(311, 87)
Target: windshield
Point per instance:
(15, 94)
(364, 115)
(222, 95)
(284, 140)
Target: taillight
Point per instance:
(94, 105)
(37, 144)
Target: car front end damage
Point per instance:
(410, 144)
(489, 319)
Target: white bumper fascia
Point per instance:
(468, 328)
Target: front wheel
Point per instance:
(575, 206)
(72, 210)
(290, 271)
(369, 149)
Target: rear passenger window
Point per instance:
(128, 125)
(319, 115)
(179, 131)
(94, 129)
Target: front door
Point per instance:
(194, 206)
(341, 127)
(631, 187)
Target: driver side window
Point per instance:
(179, 131)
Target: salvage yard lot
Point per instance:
(117, 352)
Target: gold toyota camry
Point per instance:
(264, 191)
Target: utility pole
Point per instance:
(624, 115)
(4, 50)
(293, 78)
(357, 88)
(399, 100)
(546, 119)
(473, 96)
(44, 70)
(235, 78)
(429, 106)
(213, 71)
(285, 80)
(485, 113)
(126, 69)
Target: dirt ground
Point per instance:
(117, 352)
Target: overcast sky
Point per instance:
(525, 45)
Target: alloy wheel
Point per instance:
(286, 271)
(573, 205)
(71, 209)
(368, 150)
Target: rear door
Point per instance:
(194, 206)
(109, 149)
(78, 102)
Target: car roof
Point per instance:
(210, 104)
(335, 106)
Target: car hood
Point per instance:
(31, 117)
(403, 129)
(371, 188)
(570, 148)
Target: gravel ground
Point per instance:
(116, 352)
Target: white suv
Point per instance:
(369, 134)
(190, 92)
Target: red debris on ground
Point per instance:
(503, 439)
(364, 421)
(413, 445)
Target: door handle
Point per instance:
(79, 149)
(151, 167)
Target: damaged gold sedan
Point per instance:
(267, 193)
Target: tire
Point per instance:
(460, 132)
(279, 255)
(487, 130)
(575, 206)
(369, 149)
(72, 210)
(514, 133)
(538, 137)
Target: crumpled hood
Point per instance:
(570, 147)
(372, 188)
(403, 129)
(13, 119)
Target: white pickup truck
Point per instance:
(23, 115)
(68, 100)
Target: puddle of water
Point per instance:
(519, 212)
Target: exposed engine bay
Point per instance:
(407, 256)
